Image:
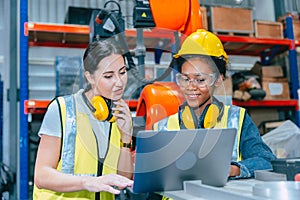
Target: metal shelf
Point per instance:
(35, 106)
(40, 106)
(267, 103)
(77, 36)
(251, 46)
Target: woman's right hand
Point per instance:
(106, 183)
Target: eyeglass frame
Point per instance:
(196, 81)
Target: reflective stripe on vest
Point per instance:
(69, 138)
(235, 120)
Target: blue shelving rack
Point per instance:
(23, 150)
(1, 119)
(289, 32)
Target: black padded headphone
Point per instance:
(100, 107)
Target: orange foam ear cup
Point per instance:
(211, 116)
(102, 110)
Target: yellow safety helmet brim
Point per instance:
(202, 42)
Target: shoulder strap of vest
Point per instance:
(236, 112)
(69, 133)
(235, 120)
(61, 125)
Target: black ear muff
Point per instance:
(209, 117)
(101, 107)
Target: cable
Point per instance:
(99, 19)
(129, 58)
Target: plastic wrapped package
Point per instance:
(284, 140)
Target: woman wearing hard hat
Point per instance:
(202, 64)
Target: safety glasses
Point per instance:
(199, 80)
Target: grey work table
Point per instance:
(238, 189)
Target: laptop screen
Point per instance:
(164, 159)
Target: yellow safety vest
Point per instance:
(79, 153)
(232, 117)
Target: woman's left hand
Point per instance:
(124, 120)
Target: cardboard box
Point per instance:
(261, 114)
(204, 17)
(268, 29)
(268, 125)
(296, 26)
(231, 20)
(273, 71)
(276, 88)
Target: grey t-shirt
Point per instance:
(51, 122)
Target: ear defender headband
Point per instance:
(100, 107)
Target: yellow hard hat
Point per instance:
(202, 42)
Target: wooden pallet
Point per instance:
(233, 33)
(204, 17)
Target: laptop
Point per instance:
(165, 159)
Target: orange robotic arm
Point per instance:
(180, 15)
(157, 101)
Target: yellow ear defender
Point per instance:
(187, 118)
(208, 118)
(211, 116)
(101, 107)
